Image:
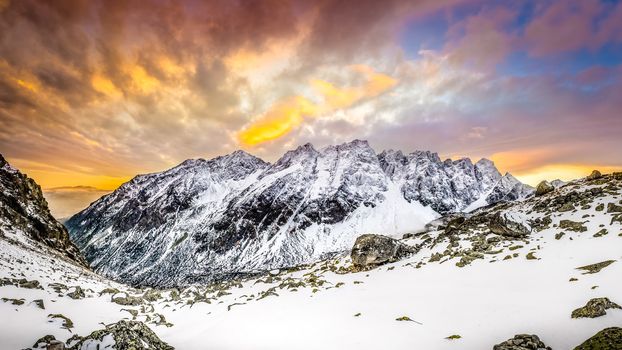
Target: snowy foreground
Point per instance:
(325, 306)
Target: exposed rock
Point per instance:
(132, 335)
(65, 321)
(127, 300)
(509, 224)
(78, 293)
(594, 175)
(570, 225)
(39, 303)
(372, 250)
(56, 345)
(607, 339)
(614, 208)
(595, 268)
(595, 308)
(44, 341)
(522, 342)
(543, 188)
(24, 210)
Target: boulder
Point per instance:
(543, 188)
(372, 250)
(594, 175)
(509, 224)
(607, 339)
(570, 225)
(522, 342)
(78, 293)
(126, 335)
(56, 345)
(595, 308)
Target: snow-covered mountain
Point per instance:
(25, 218)
(546, 268)
(208, 220)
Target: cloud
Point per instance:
(94, 92)
(66, 201)
(564, 26)
(290, 113)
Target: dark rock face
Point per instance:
(607, 339)
(24, 211)
(506, 224)
(543, 188)
(522, 342)
(372, 250)
(595, 308)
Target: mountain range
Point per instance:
(207, 220)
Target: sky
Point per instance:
(95, 92)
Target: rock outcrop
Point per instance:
(373, 250)
(24, 214)
(594, 175)
(543, 188)
(522, 342)
(607, 339)
(509, 224)
(595, 308)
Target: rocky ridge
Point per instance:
(208, 220)
(25, 217)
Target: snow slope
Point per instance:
(210, 220)
(324, 305)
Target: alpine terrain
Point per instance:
(210, 220)
(540, 273)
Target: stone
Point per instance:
(570, 225)
(522, 342)
(44, 340)
(594, 175)
(127, 300)
(372, 250)
(614, 208)
(133, 335)
(66, 322)
(595, 268)
(543, 188)
(78, 293)
(56, 345)
(512, 225)
(595, 308)
(607, 339)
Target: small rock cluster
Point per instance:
(595, 308)
(372, 250)
(522, 342)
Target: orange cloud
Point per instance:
(289, 114)
(278, 121)
(142, 82)
(104, 85)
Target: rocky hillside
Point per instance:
(25, 217)
(536, 274)
(207, 220)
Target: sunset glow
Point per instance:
(93, 93)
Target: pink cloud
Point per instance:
(565, 26)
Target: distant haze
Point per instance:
(66, 201)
